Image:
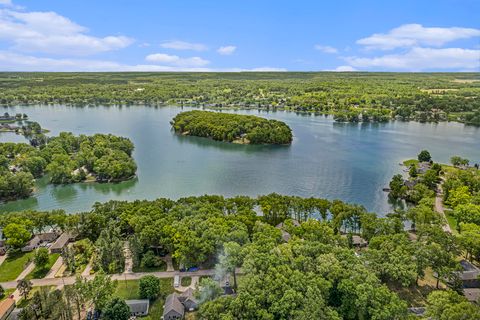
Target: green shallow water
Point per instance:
(351, 162)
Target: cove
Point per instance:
(350, 162)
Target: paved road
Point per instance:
(119, 276)
(439, 208)
(128, 258)
(26, 271)
(56, 266)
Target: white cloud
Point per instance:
(412, 35)
(19, 62)
(420, 59)
(176, 60)
(5, 2)
(183, 45)
(344, 69)
(326, 49)
(48, 32)
(227, 50)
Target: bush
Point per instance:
(424, 156)
(116, 309)
(150, 260)
(149, 287)
(41, 258)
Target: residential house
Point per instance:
(40, 240)
(359, 242)
(423, 167)
(176, 304)
(15, 313)
(173, 308)
(469, 275)
(187, 298)
(62, 242)
(285, 235)
(6, 308)
(138, 307)
(417, 311)
(472, 294)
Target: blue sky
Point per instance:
(148, 35)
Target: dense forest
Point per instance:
(353, 96)
(316, 272)
(66, 159)
(232, 127)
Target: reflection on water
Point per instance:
(348, 161)
(206, 143)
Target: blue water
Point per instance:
(351, 162)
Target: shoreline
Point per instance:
(267, 109)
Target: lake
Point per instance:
(350, 162)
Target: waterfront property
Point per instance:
(40, 240)
(62, 241)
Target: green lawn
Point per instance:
(186, 281)
(129, 290)
(410, 162)
(451, 221)
(11, 268)
(38, 273)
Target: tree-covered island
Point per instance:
(66, 159)
(236, 128)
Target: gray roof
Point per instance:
(61, 241)
(188, 294)
(14, 314)
(472, 294)
(418, 311)
(138, 306)
(357, 240)
(469, 272)
(286, 236)
(172, 303)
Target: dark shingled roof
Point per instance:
(472, 294)
(188, 295)
(172, 303)
(138, 306)
(61, 241)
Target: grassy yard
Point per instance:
(451, 221)
(11, 268)
(410, 162)
(129, 290)
(186, 281)
(39, 273)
